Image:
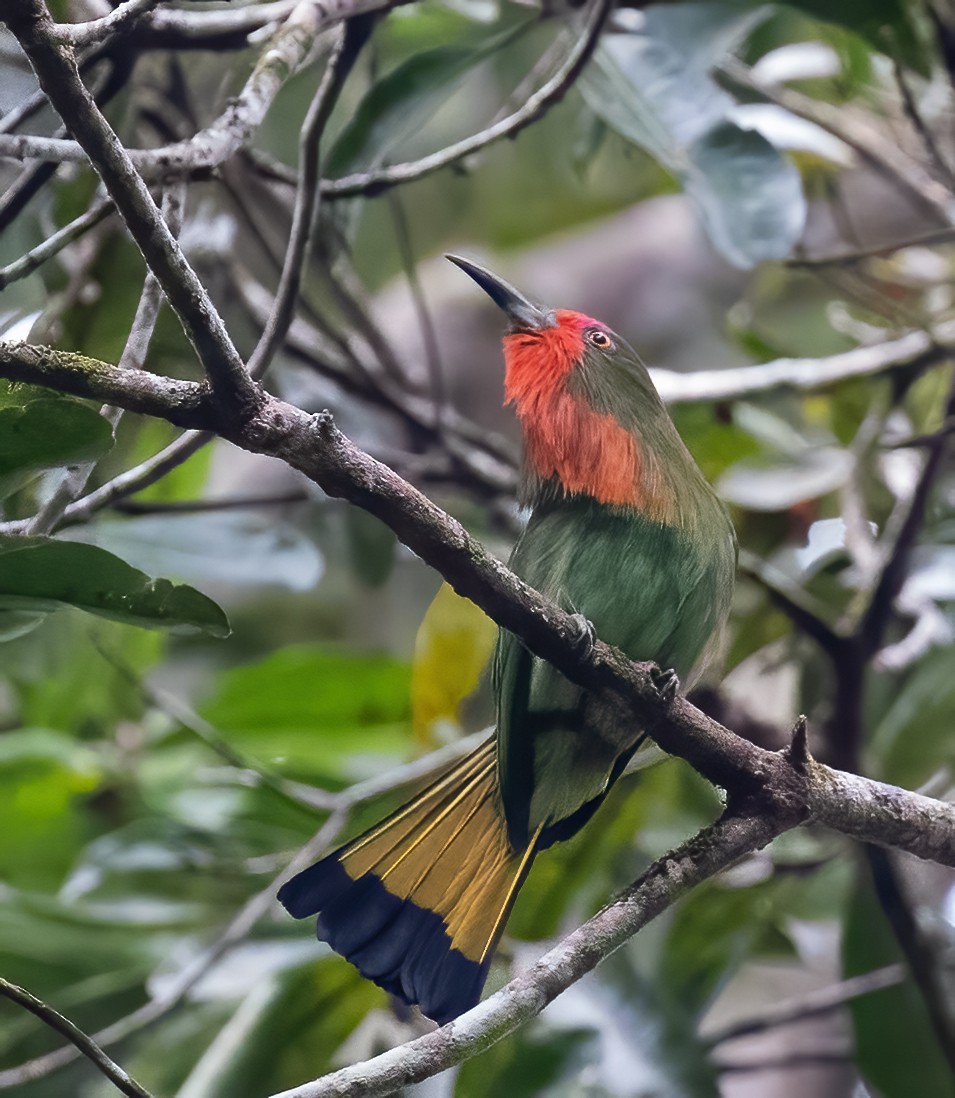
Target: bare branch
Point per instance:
(53, 245)
(95, 30)
(220, 141)
(873, 622)
(811, 1005)
(58, 75)
(794, 603)
(856, 806)
(84, 1044)
(133, 357)
(915, 350)
(350, 40)
(712, 850)
(942, 170)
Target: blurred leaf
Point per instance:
(46, 433)
(888, 25)
(319, 711)
(718, 928)
(895, 1050)
(654, 87)
(540, 1060)
(454, 643)
(372, 546)
(912, 735)
(715, 445)
(749, 195)
(17, 623)
(44, 574)
(285, 1030)
(79, 673)
(398, 106)
(777, 487)
(41, 828)
(219, 546)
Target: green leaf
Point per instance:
(718, 928)
(45, 574)
(42, 774)
(887, 25)
(654, 88)
(322, 713)
(46, 433)
(895, 1050)
(227, 547)
(913, 736)
(749, 195)
(400, 104)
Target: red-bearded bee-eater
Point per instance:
(625, 531)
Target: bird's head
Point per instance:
(593, 422)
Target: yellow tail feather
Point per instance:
(418, 902)
(448, 852)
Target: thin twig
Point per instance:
(57, 73)
(915, 350)
(859, 255)
(886, 157)
(74, 479)
(203, 506)
(53, 245)
(914, 115)
(873, 622)
(713, 850)
(794, 602)
(94, 31)
(77, 1038)
(209, 149)
(811, 1005)
(429, 337)
(308, 195)
(788, 1061)
(922, 955)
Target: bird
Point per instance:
(625, 533)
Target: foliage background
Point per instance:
(155, 781)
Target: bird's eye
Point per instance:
(599, 338)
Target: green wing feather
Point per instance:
(649, 588)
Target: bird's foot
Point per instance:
(666, 683)
(584, 637)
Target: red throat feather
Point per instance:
(589, 452)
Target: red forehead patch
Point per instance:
(537, 362)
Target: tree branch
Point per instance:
(885, 156)
(36, 257)
(220, 141)
(312, 444)
(59, 77)
(709, 852)
(811, 1005)
(914, 350)
(86, 1045)
(307, 195)
(93, 31)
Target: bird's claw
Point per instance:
(666, 683)
(584, 637)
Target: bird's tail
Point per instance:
(418, 903)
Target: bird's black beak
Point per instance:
(524, 315)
